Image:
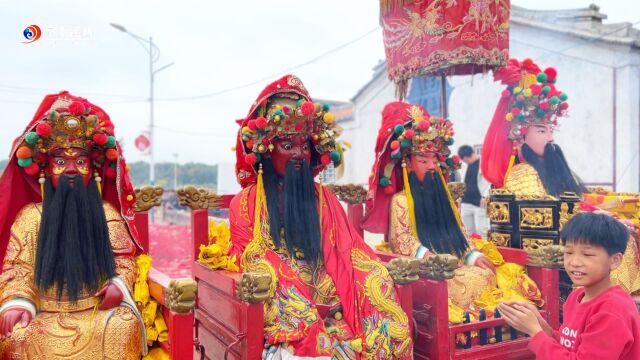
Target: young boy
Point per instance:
(601, 321)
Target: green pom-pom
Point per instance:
(278, 112)
(564, 97)
(546, 89)
(113, 165)
(521, 117)
(31, 137)
(396, 155)
(53, 115)
(449, 162)
(405, 143)
(258, 156)
(554, 100)
(325, 107)
(540, 113)
(384, 181)
(398, 129)
(450, 141)
(111, 142)
(25, 162)
(335, 156)
(518, 104)
(542, 78)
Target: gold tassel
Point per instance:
(98, 180)
(512, 161)
(454, 208)
(407, 192)
(261, 202)
(41, 180)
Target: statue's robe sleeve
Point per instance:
(401, 238)
(17, 284)
(241, 221)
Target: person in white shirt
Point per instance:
(474, 200)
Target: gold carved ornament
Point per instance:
(551, 256)
(533, 243)
(349, 193)
(198, 198)
(536, 218)
(439, 266)
(180, 296)
(498, 212)
(148, 197)
(254, 287)
(457, 189)
(500, 239)
(403, 270)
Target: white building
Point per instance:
(598, 67)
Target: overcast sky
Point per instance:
(214, 45)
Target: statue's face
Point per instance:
(72, 162)
(294, 148)
(421, 163)
(538, 137)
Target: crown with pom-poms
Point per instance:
(420, 133)
(68, 124)
(288, 114)
(534, 99)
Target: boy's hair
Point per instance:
(598, 230)
(464, 151)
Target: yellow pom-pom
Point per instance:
(517, 89)
(233, 148)
(271, 147)
(337, 316)
(277, 107)
(328, 118)
(346, 144)
(527, 92)
(246, 130)
(129, 197)
(276, 118)
(418, 119)
(509, 116)
(261, 148)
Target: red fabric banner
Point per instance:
(446, 37)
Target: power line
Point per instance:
(220, 92)
(49, 90)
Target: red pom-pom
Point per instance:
(506, 93)
(76, 108)
(23, 152)
(455, 159)
(325, 159)
(110, 173)
(32, 169)
(515, 111)
(395, 144)
(564, 106)
(544, 105)
(251, 158)
(389, 190)
(87, 107)
(551, 73)
(111, 154)
(527, 62)
(524, 130)
(249, 144)
(423, 125)
(476, 235)
(520, 97)
(261, 122)
(298, 127)
(409, 134)
(252, 125)
(307, 108)
(43, 129)
(286, 109)
(536, 89)
(100, 138)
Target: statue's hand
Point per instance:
(403, 270)
(10, 317)
(254, 287)
(485, 263)
(439, 266)
(112, 296)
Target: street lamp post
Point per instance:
(175, 173)
(154, 55)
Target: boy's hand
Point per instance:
(521, 318)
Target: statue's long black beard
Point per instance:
(436, 223)
(298, 215)
(74, 251)
(553, 170)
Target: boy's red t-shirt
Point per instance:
(605, 328)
